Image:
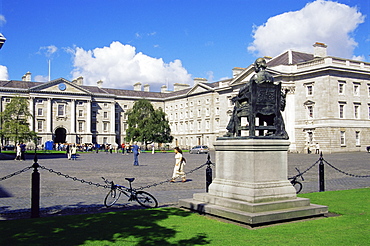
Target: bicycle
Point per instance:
(296, 184)
(143, 198)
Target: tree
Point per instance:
(147, 125)
(14, 121)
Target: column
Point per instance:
(73, 116)
(88, 117)
(49, 114)
(32, 111)
(113, 122)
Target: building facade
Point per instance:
(328, 103)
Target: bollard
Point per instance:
(321, 174)
(35, 190)
(208, 173)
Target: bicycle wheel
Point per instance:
(298, 187)
(146, 200)
(112, 197)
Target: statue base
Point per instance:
(251, 184)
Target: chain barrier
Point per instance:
(16, 173)
(348, 174)
(74, 178)
(168, 180)
(301, 173)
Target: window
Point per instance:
(368, 90)
(105, 139)
(310, 111)
(105, 115)
(357, 111)
(199, 112)
(357, 134)
(80, 103)
(356, 89)
(207, 124)
(39, 125)
(207, 111)
(39, 101)
(199, 125)
(207, 101)
(105, 126)
(342, 138)
(105, 105)
(125, 106)
(39, 112)
(61, 110)
(341, 111)
(7, 100)
(217, 111)
(198, 102)
(341, 87)
(80, 113)
(369, 111)
(309, 90)
(80, 126)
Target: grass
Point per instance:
(172, 226)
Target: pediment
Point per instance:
(60, 86)
(200, 88)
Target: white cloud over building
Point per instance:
(328, 22)
(120, 66)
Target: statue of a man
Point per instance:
(243, 99)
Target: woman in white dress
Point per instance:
(179, 165)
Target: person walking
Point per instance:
(179, 165)
(317, 151)
(73, 152)
(18, 155)
(23, 151)
(136, 150)
(68, 151)
(153, 148)
(123, 147)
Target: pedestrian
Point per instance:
(317, 151)
(73, 152)
(68, 151)
(179, 165)
(123, 147)
(136, 150)
(23, 151)
(18, 155)
(97, 147)
(153, 149)
(128, 148)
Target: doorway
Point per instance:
(60, 135)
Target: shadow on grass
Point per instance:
(127, 227)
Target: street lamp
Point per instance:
(2, 40)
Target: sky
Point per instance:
(162, 42)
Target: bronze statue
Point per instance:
(259, 98)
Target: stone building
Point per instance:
(328, 102)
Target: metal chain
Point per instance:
(349, 174)
(168, 180)
(16, 173)
(74, 178)
(300, 174)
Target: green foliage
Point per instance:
(145, 124)
(14, 121)
(172, 226)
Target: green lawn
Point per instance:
(172, 226)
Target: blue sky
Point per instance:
(159, 42)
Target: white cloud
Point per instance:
(328, 22)
(2, 20)
(41, 78)
(48, 51)
(4, 73)
(120, 66)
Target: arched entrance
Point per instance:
(60, 135)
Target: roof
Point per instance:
(290, 57)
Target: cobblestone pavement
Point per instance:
(61, 195)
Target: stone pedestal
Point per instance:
(251, 184)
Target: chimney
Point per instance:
(164, 89)
(26, 77)
(319, 50)
(178, 86)
(137, 86)
(100, 83)
(80, 80)
(237, 71)
(146, 87)
(200, 80)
